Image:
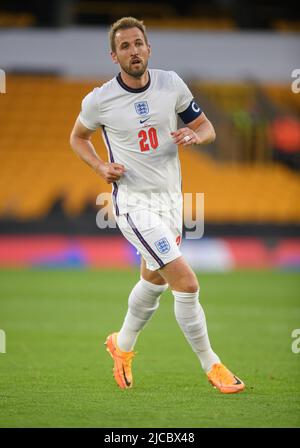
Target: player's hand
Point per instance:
(111, 172)
(185, 137)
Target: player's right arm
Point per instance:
(81, 144)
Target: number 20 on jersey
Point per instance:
(148, 139)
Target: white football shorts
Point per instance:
(155, 235)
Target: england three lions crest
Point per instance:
(162, 245)
(141, 108)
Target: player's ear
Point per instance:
(114, 57)
(149, 50)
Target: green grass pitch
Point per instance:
(56, 372)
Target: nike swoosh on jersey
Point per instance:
(143, 121)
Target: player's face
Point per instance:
(132, 52)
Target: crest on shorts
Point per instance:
(162, 245)
(141, 108)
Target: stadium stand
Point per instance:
(38, 166)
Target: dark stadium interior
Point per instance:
(255, 15)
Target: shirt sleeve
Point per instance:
(89, 114)
(184, 95)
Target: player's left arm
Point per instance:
(197, 132)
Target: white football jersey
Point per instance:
(137, 126)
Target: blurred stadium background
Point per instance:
(238, 59)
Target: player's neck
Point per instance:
(135, 83)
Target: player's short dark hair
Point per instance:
(124, 24)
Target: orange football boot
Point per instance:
(224, 380)
(122, 362)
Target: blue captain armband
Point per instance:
(191, 113)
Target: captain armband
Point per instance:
(191, 113)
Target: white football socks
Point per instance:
(191, 319)
(142, 303)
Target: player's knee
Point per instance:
(189, 284)
(192, 286)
